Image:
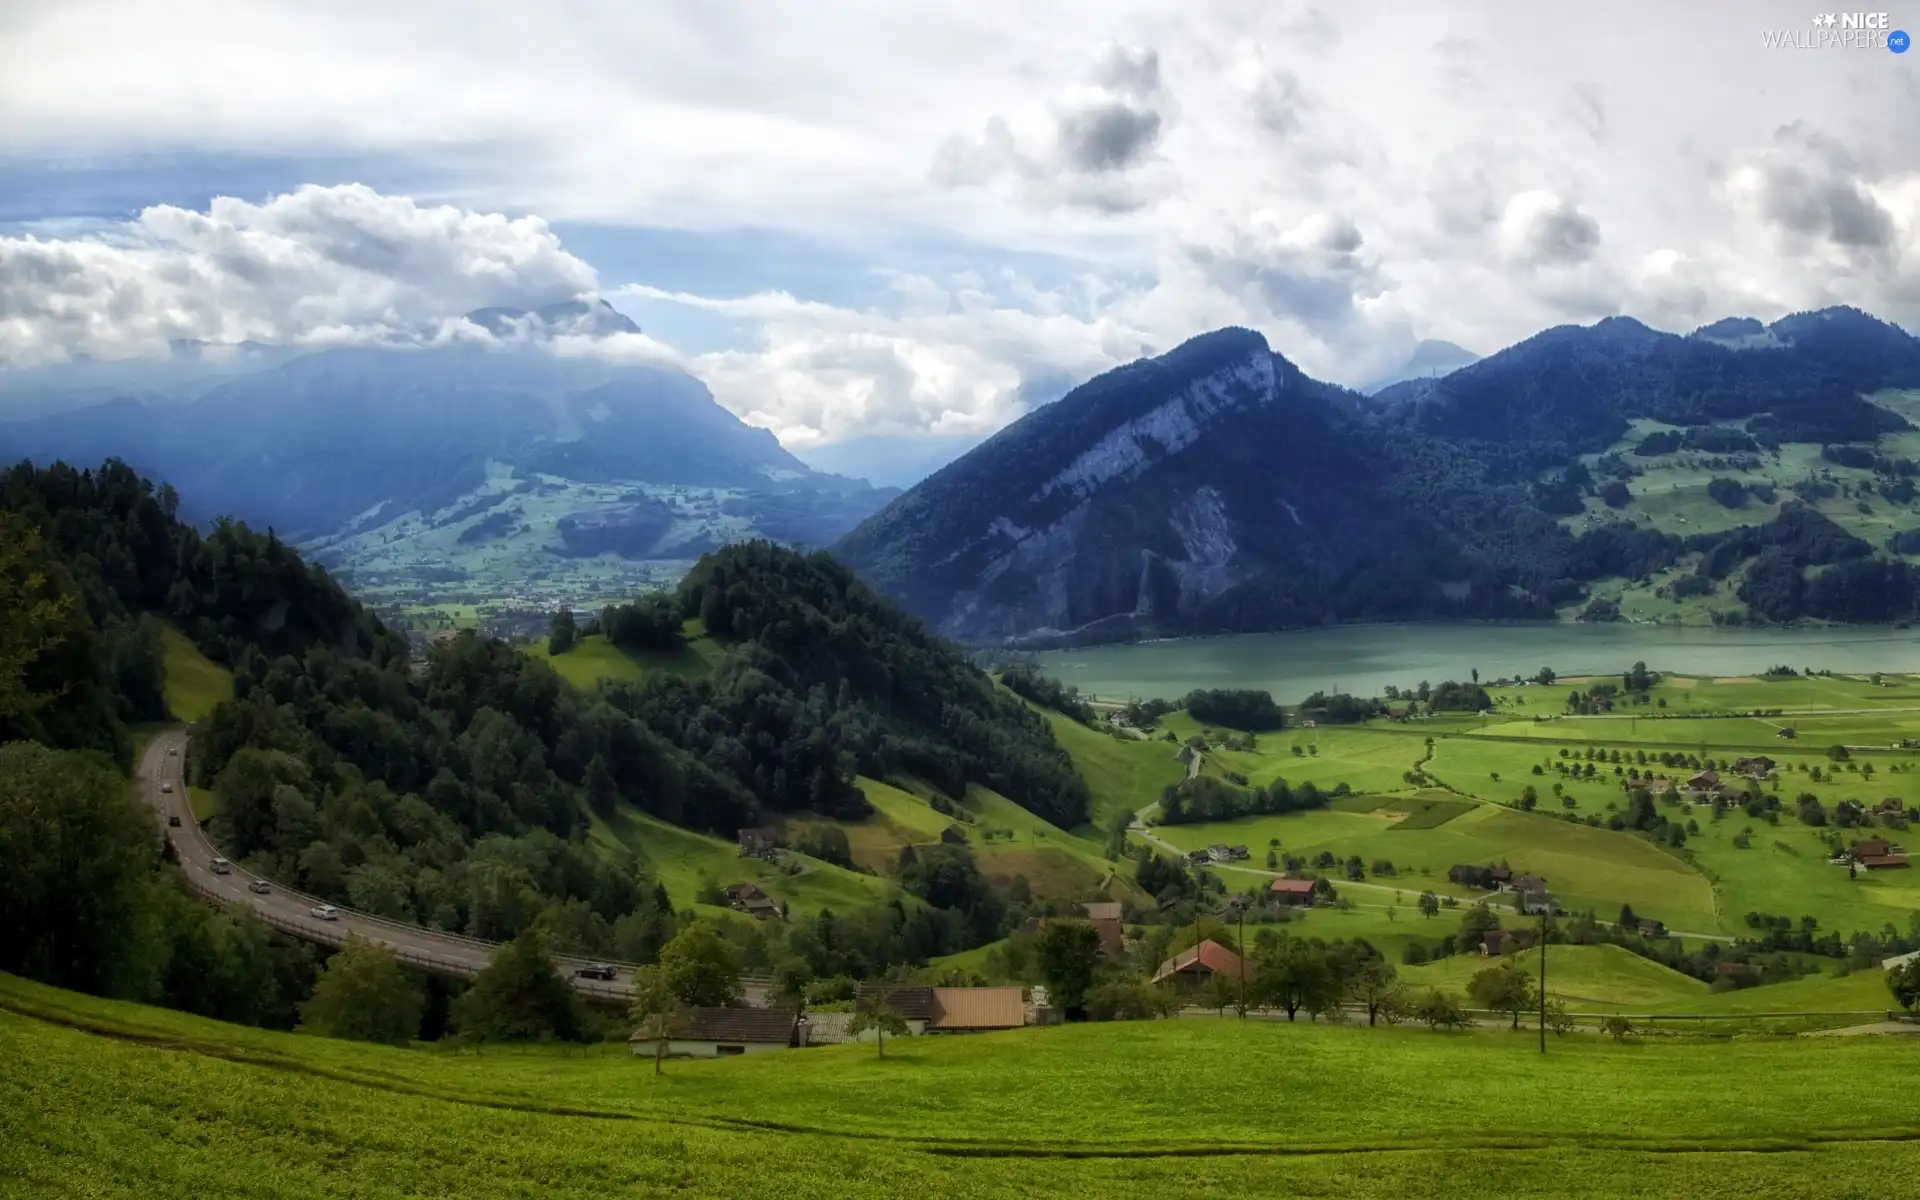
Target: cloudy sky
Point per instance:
(882, 219)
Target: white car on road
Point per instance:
(327, 912)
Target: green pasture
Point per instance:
(1122, 775)
(1584, 867)
(1584, 978)
(117, 1100)
(681, 859)
(593, 658)
(193, 683)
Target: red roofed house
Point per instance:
(1293, 891)
(1192, 967)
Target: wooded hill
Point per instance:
(457, 791)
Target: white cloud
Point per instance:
(1347, 179)
(320, 265)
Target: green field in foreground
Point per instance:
(117, 1100)
(193, 682)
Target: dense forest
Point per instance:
(456, 789)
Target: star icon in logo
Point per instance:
(1823, 19)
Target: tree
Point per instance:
(1221, 992)
(701, 967)
(656, 1010)
(1069, 951)
(1440, 1010)
(363, 995)
(1294, 975)
(32, 607)
(1375, 985)
(76, 874)
(1478, 921)
(880, 1017)
(1503, 989)
(1429, 904)
(1904, 982)
(562, 634)
(519, 996)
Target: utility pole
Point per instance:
(1240, 911)
(1545, 917)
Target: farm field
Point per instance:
(121, 1100)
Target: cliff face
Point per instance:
(1144, 500)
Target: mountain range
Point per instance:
(481, 462)
(1217, 488)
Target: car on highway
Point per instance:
(595, 971)
(220, 866)
(166, 789)
(173, 752)
(173, 819)
(260, 887)
(326, 912)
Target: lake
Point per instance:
(1364, 659)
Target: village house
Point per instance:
(1219, 852)
(1878, 854)
(953, 835)
(1487, 878)
(1496, 942)
(1198, 857)
(749, 899)
(1705, 781)
(1758, 766)
(1239, 853)
(720, 1032)
(914, 1004)
(1536, 902)
(1525, 883)
(1659, 787)
(1892, 808)
(1650, 928)
(1298, 892)
(758, 843)
(1193, 967)
(948, 1010)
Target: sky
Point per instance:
(887, 225)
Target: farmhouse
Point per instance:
(1192, 967)
(1705, 781)
(916, 1005)
(757, 843)
(1660, 787)
(1200, 856)
(1523, 884)
(1891, 808)
(1650, 928)
(1480, 877)
(1758, 766)
(977, 1009)
(1899, 960)
(1239, 853)
(1536, 902)
(719, 1032)
(1219, 852)
(1101, 910)
(953, 835)
(1496, 942)
(1293, 891)
(1882, 862)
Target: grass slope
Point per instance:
(1121, 775)
(593, 658)
(1586, 978)
(194, 683)
(682, 859)
(117, 1100)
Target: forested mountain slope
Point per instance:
(1216, 488)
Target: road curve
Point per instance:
(162, 765)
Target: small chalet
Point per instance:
(743, 891)
(1757, 767)
(1526, 883)
(758, 843)
(1866, 848)
(1650, 928)
(1537, 902)
(1200, 856)
(1101, 910)
(953, 835)
(1219, 852)
(1705, 781)
(1892, 806)
(916, 1005)
(1192, 967)
(719, 1032)
(1659, 787)
(1239, 853)
(1496, 942)
(1293, 891)
(1882, 862)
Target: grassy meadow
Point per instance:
(594, 658)
(193, 683)
(120, 1100)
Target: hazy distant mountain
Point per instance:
(889, 461)
(332, 445)
(1429, 360)
(1217, 488)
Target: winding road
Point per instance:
(161, 768)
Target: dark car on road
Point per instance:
(595, 971)
(173, 818)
